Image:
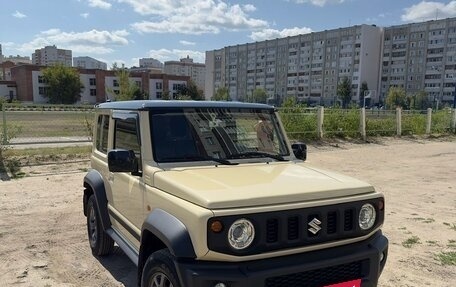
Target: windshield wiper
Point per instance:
(200, 158)
(256, 154)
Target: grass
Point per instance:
(451, 243)
(411, 241)
(451, 225)
(447, 258)
(52, 153)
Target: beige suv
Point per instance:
(212, 194)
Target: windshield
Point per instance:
(195, 134)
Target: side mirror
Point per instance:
(121, 160)
(300, 150)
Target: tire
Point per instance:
(159, 270)
(100, 242)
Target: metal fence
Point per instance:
(29, 124)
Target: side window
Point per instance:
(102, 133)
(126, 136)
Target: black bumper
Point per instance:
(310, 269)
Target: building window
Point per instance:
(41, 80)
(159, 86)
(92, 82)
(138, 83)
(159, 95)
(115, 83)
(42, 90)
(116, 92)
(93, 92)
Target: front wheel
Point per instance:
(100, 242)
(159, 270)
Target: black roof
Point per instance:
(150, 104)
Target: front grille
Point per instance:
(319, 277)
(295, 228)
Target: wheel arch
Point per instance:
(94, 184)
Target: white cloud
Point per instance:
(428, 11)
(19, 15)
(175, 54)
(84, 15)
(319, 3)
(193, 16)
(268, 34)
(187, 43)
(93, 42)
(99, 4)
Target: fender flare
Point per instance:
(171, 231)
(94, 180)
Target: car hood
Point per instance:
(256, 184)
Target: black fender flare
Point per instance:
(94, 180)
(171, 231)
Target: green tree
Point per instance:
(259, 96)
(344, 91)
(127, 89)
(221, 94)
(63, 84)
(396, 98)
(190, 92)
(362, 93)
(419, 101)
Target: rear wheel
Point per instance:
(100, 243)
(159, 270)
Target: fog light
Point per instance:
(220, 284)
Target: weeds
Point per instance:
(447, 258)
(408, 243)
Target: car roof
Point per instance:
(151, 104)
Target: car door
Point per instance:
(125, 207)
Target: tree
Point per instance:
(259, 96)
(419, 101)
(221, 94)
(190, 92)
(362, 93)
(63, 84)
(128, 90)
(396, 98)
(344, 91)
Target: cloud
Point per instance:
(319, 3)
(428, 11)
(94, 41)
(84, 15)
(19, 15)
(175, 54)
(187, 43)
(100, 4)
(268, 34)
(193, 16)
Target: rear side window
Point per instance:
(102, 133)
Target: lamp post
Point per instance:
(367, 95)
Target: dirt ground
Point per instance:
(43, 231)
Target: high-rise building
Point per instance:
(50, 55)
(307, 66)
(150, 63)
(89, 63)
(421, 57)
(186, 67)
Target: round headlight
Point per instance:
(241, 234)
(367, 216)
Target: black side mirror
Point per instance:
(300, 150)
(121, 160)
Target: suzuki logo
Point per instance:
(314, 226)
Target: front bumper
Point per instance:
(360, 260)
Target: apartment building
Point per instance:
(306, 66)
(14, 59)
(421, 56)
(186, 67)
(28, 85)
(50, 55)
(89, 63)
(150, 63)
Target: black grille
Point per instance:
(319, 277)
(295, 228)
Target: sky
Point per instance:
(123, 31)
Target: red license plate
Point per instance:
(353, 283)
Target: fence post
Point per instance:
(320, 116)
(428, 121)
(453, 121)
(399, 121)
(5, 135)
(362, 123)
